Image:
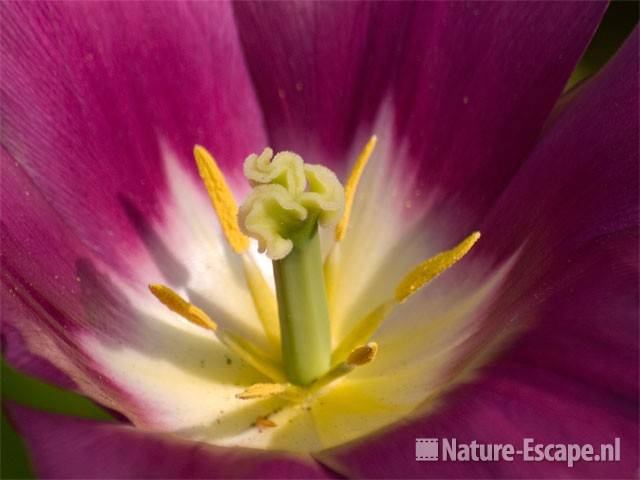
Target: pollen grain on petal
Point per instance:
(352, 186)
(222, 199)
(264, 422)
(434, 266)
(179, 305)
(363, 354)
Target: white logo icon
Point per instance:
(426, 449)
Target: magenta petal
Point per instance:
(573, 206)
(572, 377)
(66, 447)
(470, 84)
(581, 181)
(53, 292)
(40, 312)
(91, 89)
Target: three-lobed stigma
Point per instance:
(288, 198)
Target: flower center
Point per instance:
(288, 205)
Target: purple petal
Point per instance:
(54, 292)
(93, 93)
(37, 308)
(66, 447)
(573, 377)
(469, 84)
(580, 182)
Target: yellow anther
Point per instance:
(352, 186)
(264, 299)
(431, 268)
(363, 355)
(179, 305)
(262, 390)
(221, 198)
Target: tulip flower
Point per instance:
(289, 239)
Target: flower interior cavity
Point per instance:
(306, 317)
(288, 206)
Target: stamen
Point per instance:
(333, 258)
(177, 304)
(362, 331)
(221, 198)
(227, 211)
(263, 299)
(242, 348)
(262, 390)
(431, 268)
(418, 278)
(352, 186)
(331, 271)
